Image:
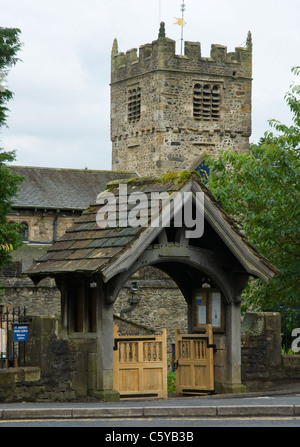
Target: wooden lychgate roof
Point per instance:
(88, 249)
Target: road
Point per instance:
(179, 426)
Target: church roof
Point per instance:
(87, 248)
(55, 188)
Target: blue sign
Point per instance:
(21, 332)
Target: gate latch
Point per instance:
(212, 346)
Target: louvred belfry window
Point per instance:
(206, 102)
(134, 104)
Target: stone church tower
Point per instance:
(168, 110)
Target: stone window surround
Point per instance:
(206, 100)
(134, 103)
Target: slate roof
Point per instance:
(86, 248)
(53, 188)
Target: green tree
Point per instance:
(260, 190)
(9, 233)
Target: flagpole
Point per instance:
(182, 16)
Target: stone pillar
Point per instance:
(233, 383)
(261, 349)
(104, 355)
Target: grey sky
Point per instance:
(60, 114)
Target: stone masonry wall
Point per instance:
(49, 363)
(43, 226)
(263, 366)
(43, 299)
(58, 369)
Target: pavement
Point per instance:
(282, 401)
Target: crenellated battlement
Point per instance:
(161, 55)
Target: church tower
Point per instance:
(168, 110)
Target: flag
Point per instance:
(179, 21)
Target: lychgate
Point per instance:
(91, 264)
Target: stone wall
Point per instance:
(52, 361)
(44, 226)
(60, 369)
(263, 366)
(43, 299)
(17, 384)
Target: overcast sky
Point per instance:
(60, 114)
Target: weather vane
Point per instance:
(181, 22)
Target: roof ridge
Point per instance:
(177, 177)
(71, 169)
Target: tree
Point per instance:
(9, 233)
(260, 190)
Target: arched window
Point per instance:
(24, 231)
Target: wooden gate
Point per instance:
(194, 361)
(140, 365)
